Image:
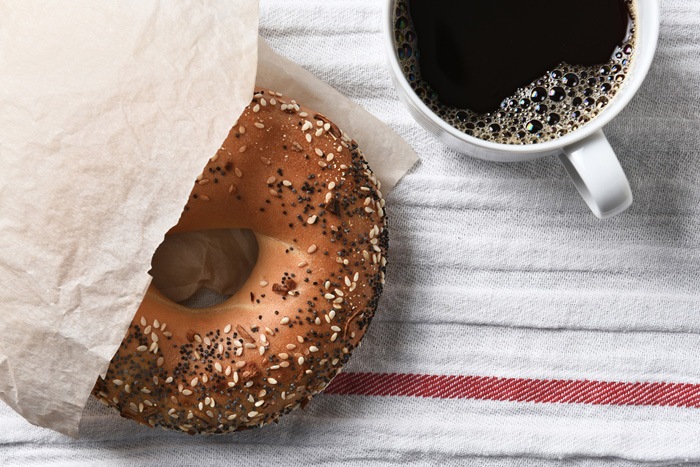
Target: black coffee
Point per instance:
(514, 71)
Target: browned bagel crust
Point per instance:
(304, 188)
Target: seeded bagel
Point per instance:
(303, 187)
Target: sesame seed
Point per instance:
(263, 283)
(142, 348)
(284, 320)
(369, 210)
(117, 382)
(334, 361)
(334, 337)
(329, 296)
(230, 189)
(283, 107)
(339, 292)
(308, 137)
(300, 360)
(317, 321)
(312, 248)
(259, 125)
(263, 337)
(318, 152)
(348, 282)
(235, 376)
(303, 114)
(274, 193)
(154, 337)
(169, 379)
(231, 417)
(186, 392)
(198, 338)
(306, 126)
(263, 102)
(203, 181)
(312, 219)
(332, 314)
(227, 329)
(256, 108)
(283, 356)
(238, 172)
(160, 361)
(252, 414)
(266, 161)
(194, 382)
(261, 350)
(291, 346)
(156, 323)
(286, 183)
(204, 197)
(218, 367)
(273, 101)
(241, 129)
(313, 348)
(319, 132)
(302, 264)
(322, 164)
(329, 157)
(272, 380)
(242, 148)
(300, 339)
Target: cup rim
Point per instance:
(646, 28)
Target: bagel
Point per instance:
(303, 187)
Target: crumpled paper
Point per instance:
(221, 260)
(108, 111)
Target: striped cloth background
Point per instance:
(516, 328)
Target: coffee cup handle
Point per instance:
(593, 167)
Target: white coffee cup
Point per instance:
(585, 153)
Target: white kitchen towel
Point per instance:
(515, 328)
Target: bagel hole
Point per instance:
(204, 268)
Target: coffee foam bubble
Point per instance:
(557, 103)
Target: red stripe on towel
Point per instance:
(517, 389)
